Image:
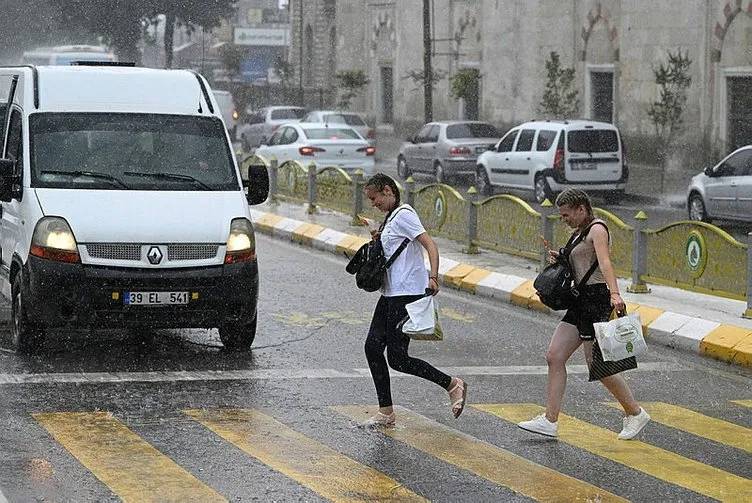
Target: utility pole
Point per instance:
(427, 70)
(300, 54)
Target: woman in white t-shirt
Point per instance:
(406, 281)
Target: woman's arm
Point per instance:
(433, 259)
(599, 235)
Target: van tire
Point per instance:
(482, 183)
(238, 337)
(26, 337)
(541, 189)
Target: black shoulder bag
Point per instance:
(369, 264)
(555, 283)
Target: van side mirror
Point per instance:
(257, 184)
(7, 167)
(709, 171)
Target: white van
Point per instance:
(67, 54)
(550, 156)
(122, 205)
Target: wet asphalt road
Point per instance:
(308, 357)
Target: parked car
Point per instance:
(226, 109)
(262, 123)
(351, 119)
(320, 143)
(550, 156)
(445, 149)
(724, 190)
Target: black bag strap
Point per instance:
(394, 256)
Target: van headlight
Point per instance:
(241, 243)
(53, 239)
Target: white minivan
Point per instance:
(122, 205)
(550, 156)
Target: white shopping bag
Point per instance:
(422, 320)
(620, 338)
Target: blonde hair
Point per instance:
(575, 197)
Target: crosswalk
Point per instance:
(134, 470)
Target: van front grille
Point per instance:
(191, 252)
(114, 251)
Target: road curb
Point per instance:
(720, 341)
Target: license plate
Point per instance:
(584, 166)
(155, 298)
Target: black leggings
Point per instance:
(384, 334)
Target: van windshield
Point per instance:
(591, 141)
(130, 151)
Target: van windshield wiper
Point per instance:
(169, 176)
(92, 174)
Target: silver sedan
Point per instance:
(446, 148)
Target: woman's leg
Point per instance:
(563, 344)
(375, 345)
(397, 344)
(615, 384)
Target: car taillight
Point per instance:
(367, 150)
(459, 151)
(371, 134)
(310, 151)
(559, 160)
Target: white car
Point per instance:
(260, 125)
(323, 144)
(550, 156)
(351, 119)
(723, 191)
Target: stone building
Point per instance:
(614, 46)
(314, 22)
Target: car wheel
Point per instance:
(238, 336)
(26, 337)
(403, 171)
(438, 173)
(542, 190)
(482, 183)
(697, 209)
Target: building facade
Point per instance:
(613, 45)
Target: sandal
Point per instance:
(381, 419)
(458, 405)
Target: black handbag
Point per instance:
(369, 264)
(555, 283)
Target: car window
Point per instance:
(257, 118)
(506, 143)
(471, 130)
(525, 143)
(349, 119)
(433, 135)
(287, 113)
(330, 133)
(590, 141)
(423, 133)
(545, 140)
(738, 164)
(311, 117)
(289, 136)
(274, 140)
(15, 145)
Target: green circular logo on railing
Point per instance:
(439, 209)
(696, 253)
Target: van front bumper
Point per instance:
(60, 294)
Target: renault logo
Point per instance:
(154, 255)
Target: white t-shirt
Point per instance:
(407, 275)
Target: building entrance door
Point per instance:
(739, 112)
(602, 96)
(387, 95)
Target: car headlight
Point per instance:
(53, 239)
(241, 243)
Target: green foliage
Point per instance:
(419, 79)
(559, 98)
(464, 83)
(285, 70)
(232, 57)
(673, 80)
(350, 83)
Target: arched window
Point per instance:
(308, 64)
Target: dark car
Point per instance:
(446, 148)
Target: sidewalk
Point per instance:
(690, 321)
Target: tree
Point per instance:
(285, 70)
(464, 86)
(350, 83)
(418, 78)
(559, 98)
(673, 80)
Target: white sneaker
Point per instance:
(634, 425)
(541, 425)
(381, 420)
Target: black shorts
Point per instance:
(594, 307)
